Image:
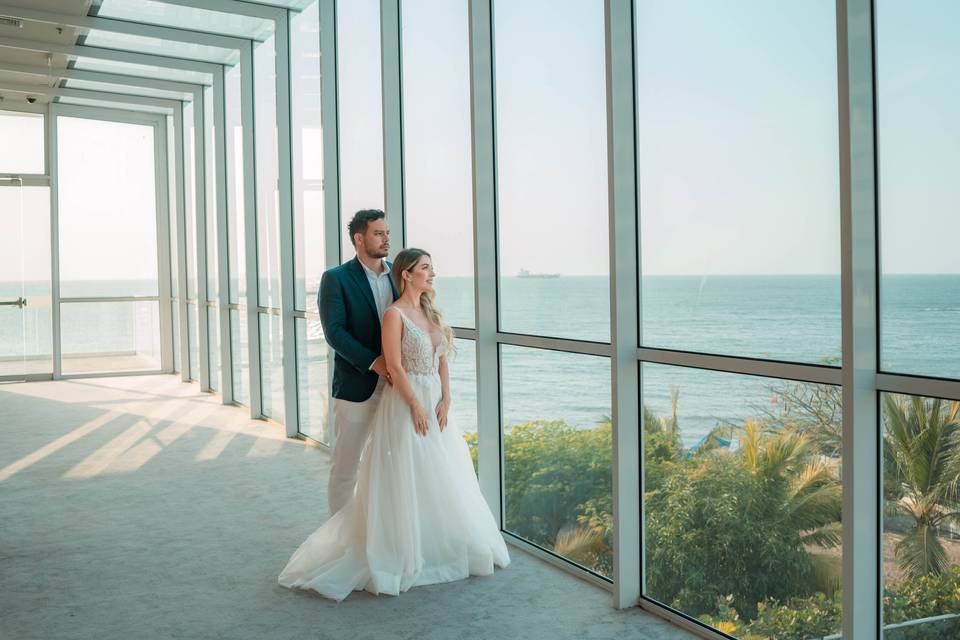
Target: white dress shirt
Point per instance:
(380, 285)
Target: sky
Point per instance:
(737, 134)
(737, 140)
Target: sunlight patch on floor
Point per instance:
(58, 444)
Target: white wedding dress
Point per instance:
(417, 516)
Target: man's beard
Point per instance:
(378, 252)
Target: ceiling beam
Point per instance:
(114, 55)
(238, 7)
(125, 27)
(103, 77)
(163, 104)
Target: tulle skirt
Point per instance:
(417, 516)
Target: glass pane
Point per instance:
(463, 392)
(26, 336)
(213, 346)
(307, 142)
(268, 206)
(921, 552)
(240, 355)
(361, 112)
(191, 18)
(108, 236)
(271, 367)
(190, 197)
(174, 216)
(194, 341)
(313, 380)
(739, 178)
(236, 234)
(175, 313)
(551, 168)
(919, 142)
(122, 88)
(110, 336)
(23, 143)
(210, 156)
(142, 70)
(159, 46)
(743, 500)
(557, 473)
(436, 146)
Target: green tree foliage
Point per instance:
(922, 472)
(558, 477)
(933, 601)
(558, 488)
(738, 523)
(729, 529)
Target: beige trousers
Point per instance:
(351, 424)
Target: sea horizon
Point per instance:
(783, 317)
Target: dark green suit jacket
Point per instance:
(351, 326)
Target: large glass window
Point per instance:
(240, 356)
(551, 169)
(107, 192)
(361, 112)
(918, 146)
(210, 191)
(438, 188)
(173, 218)
(271, 367)
(313, 376)
(921, 530)
(236, 234)
(23, 143)
(193, 340)
(307, 145)
(26, 335)
(190, 198)
(742, 499)
(267, 164)
(739, 178)
(557, 474)
(110, 336)
(213, 346)
(462, 367)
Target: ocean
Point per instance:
(789, 318)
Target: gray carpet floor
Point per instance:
(137, 507)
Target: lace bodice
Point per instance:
(417, 355)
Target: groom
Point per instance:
(352, 300)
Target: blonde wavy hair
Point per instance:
(406, 260)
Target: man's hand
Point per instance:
(380, 367)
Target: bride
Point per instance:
(417, 515)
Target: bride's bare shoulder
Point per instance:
(393, 317)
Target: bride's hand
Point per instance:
(420, 423)
(443, 408)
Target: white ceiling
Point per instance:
(43, 32)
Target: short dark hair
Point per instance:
(361, 219)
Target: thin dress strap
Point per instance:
(427, 335)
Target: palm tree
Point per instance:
(812, 493)
(921, 475)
